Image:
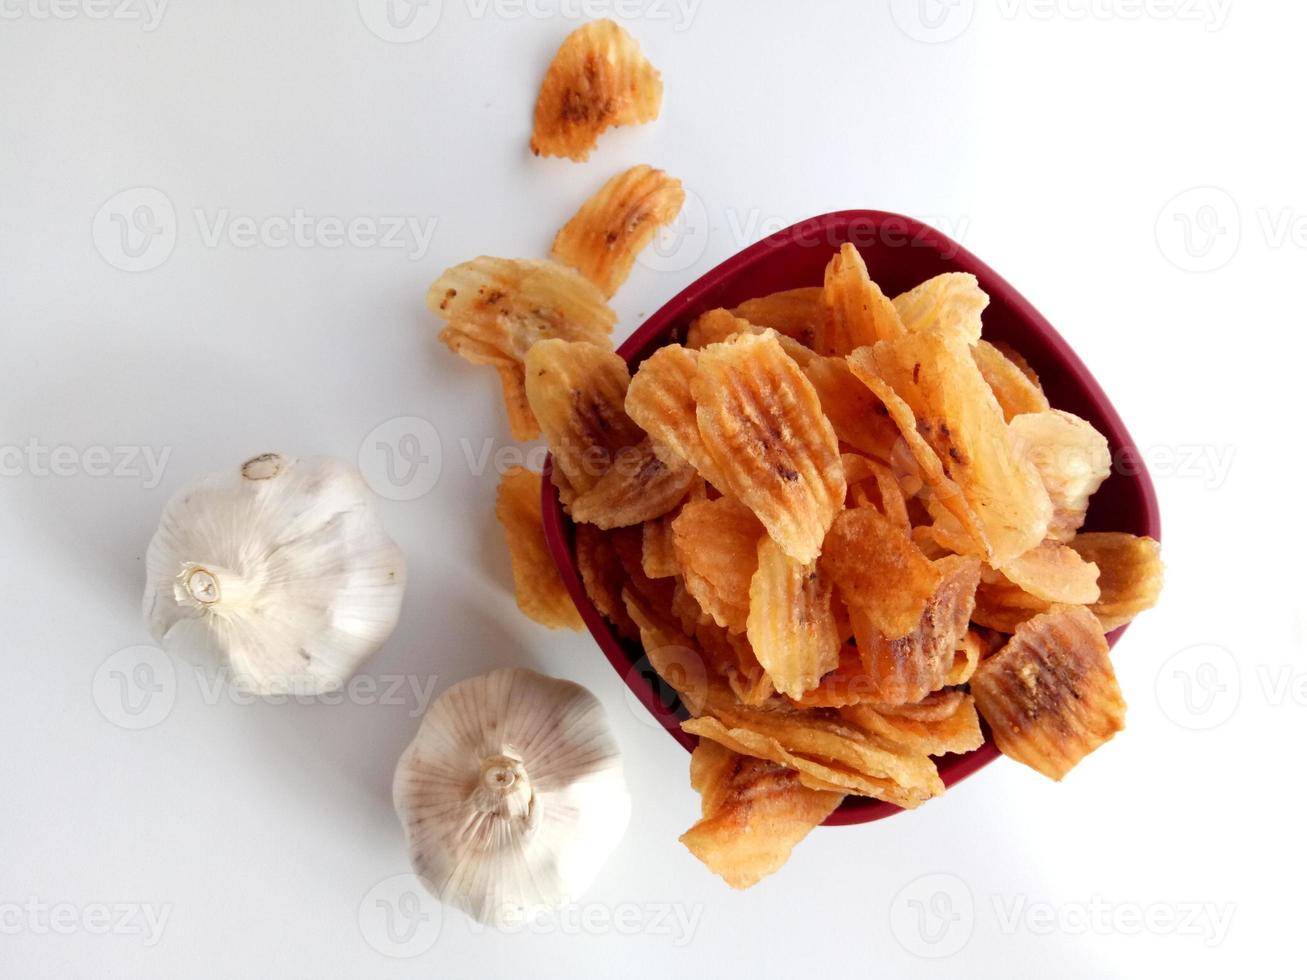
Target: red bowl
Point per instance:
(900, 252)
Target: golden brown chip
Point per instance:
(521, 421)
(603, 577)
(857, 313)
(754, 813)
(1054, 572)
(1073, 460)
(599, 78)
(657, 555)
(858, 416)
(861, 472)
(613, 227)
(795, 313)
(638, 487)
(745, 676)
(1050, 696)
(971, 648)
(1016, 391)
(1003, 605)
(906, 669)
(958, 417)
(716, 544)
(952, 302)
(661, 402)
(578, 393)
(719, 325)
(540, 591)
(881, 575)
(1130, 574)
(790, 625)
(943, 722)
(762, 423)
(847, 684)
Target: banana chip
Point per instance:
(943, 722)
(638, 487)
(541, 594)
(859, 418)
(613, 227)
(790, 624)
(1003, 605)
(657, 555)
(660, 402)
(1053, 573)
(1130, 574)
(578, 394)
(599, 78)
(957, 415)
(861, 472)
(906, 669)
(881, 575)
(846, 685)
(795, 313)
(719, 325)
(754, 813)
(952, 302)
(1017, 392)
(762, 423)
(857, 313)
(603, 577)
(966, 658)
(716, 545)
(1050, 696)
(1073, 460)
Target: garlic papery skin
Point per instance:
(280, 569)
(512, 795)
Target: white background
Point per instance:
(1054, 139)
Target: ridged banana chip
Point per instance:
(952, 302)
(1130, 573)
(1073, 460)
(1017, 392)
(857, 313)
(661, 402)
(791, 626)
(541, 594)
(794, 313)
(716, 544)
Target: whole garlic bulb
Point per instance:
(281, 569)
(512, 794)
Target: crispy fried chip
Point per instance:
(906, 669)
(675, 658)
(1073, 460)
(716, 544)
(657, 555)
(860, 472)
(847, 684)
(661, 402)
(790, 625)
(1130, 574)
(1053, 572)
(613, 227)
(762, 423)
(521, 421)
(857, 313)
(599, 78)
(754, 813)
(603, 577)
(719, 325)
(958, 417)
(858, 416)
(745, 676)
(953, 302)
(881, 575)
(1050, 696)
(1003, 605)
(637, 487)
(540, 592)
(971, 648)
(1017, 392)
(943, 722)
(578, 393)
(795, 313)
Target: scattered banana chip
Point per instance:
(598, 79)
(881, 575)
(952, 302)
(794, 313)
(1017, 392)
(762, 423)
(716, 545)
(790, 623)
(1130, 574)
(541, 594)
(906, 669)
(613, 227)
(754, 813)
(1073, 460)
(577, 392)
(660, 402)
(1050, 696)
(857, 313)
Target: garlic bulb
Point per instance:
(512, 794)
(280, 569)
